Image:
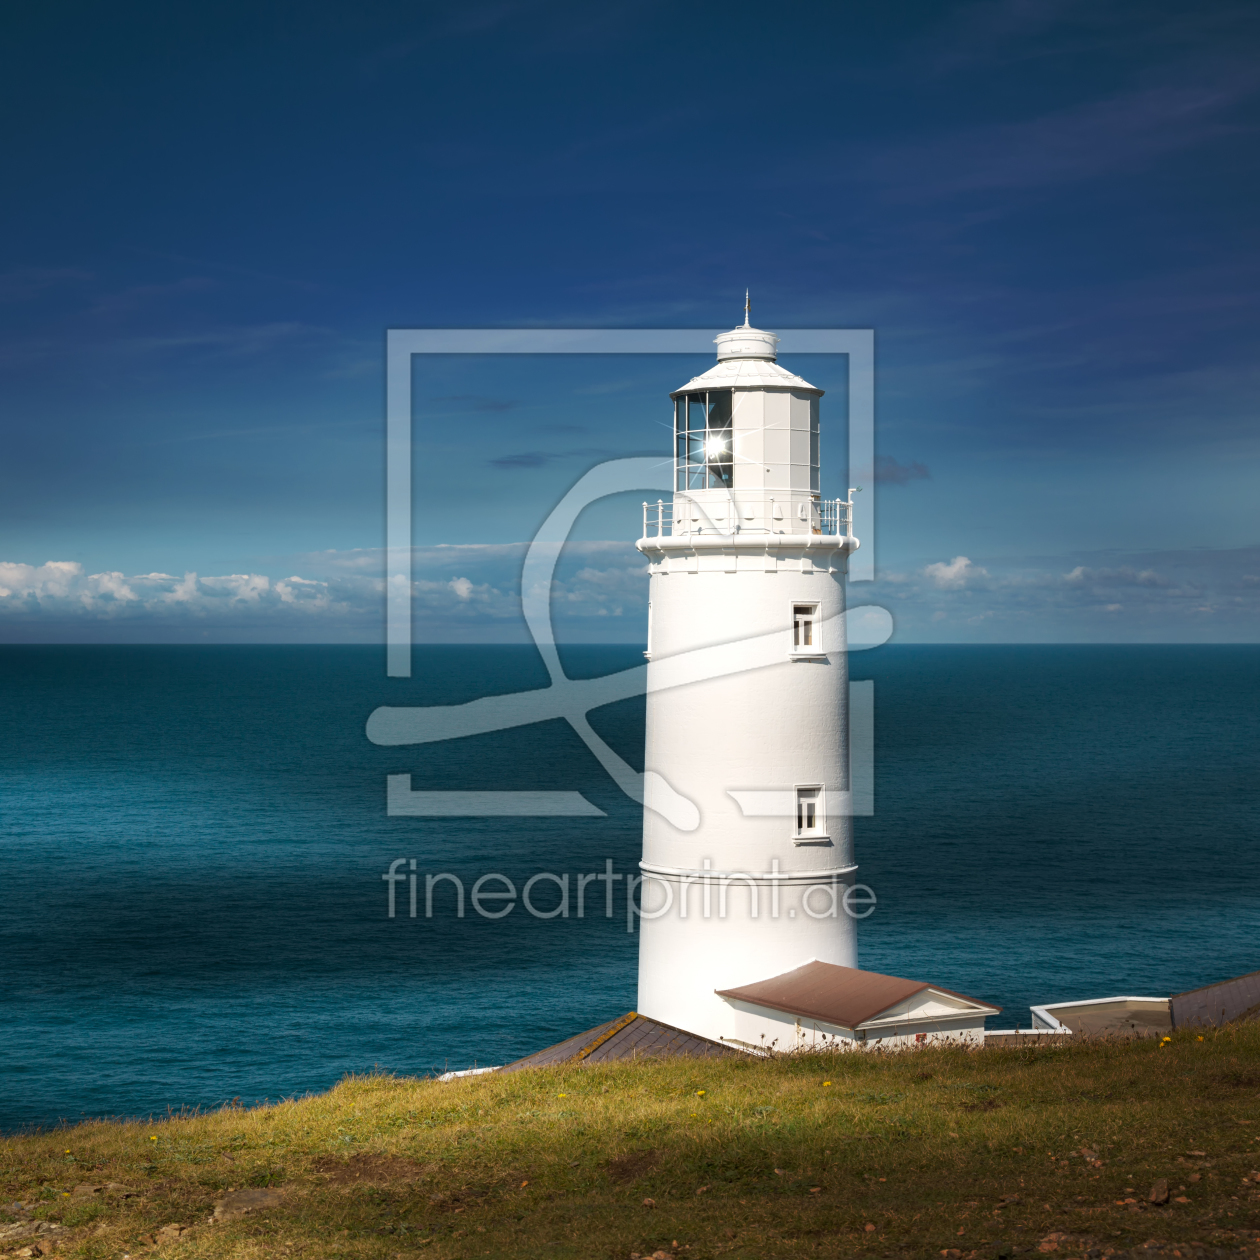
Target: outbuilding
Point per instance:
(822, 1005)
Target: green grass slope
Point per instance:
(1046, 1149)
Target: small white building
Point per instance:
(821, 1005)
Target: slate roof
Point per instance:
(633, 1036)
(844, 996)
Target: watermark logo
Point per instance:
(574, 699)
(709, 894)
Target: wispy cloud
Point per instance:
(24, 283)
(137, 297)
(538, 459)
(1174, 596)
(1110, 136)
(890, 471)
(523, 459)
(476, 402)
(240, 341)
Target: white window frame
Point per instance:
(813, 651)
(818, 834)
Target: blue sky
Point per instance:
(1046, 210)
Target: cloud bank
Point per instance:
(471, 593)
(460, 593)
(1192, 596)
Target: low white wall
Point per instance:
(758, 1028)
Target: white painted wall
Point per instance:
(759, 1027)
(767, 729)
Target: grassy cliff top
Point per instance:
(1045, 1149)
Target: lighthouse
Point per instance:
(747, 933)
(747, 565)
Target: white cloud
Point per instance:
(61, 588)
(1123, 576)
(472, 594)
(1173, 596)
(344, 598)
(954, 575)
(104, 587)
(312, 596)
(52, 580)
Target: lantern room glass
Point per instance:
(704, 451)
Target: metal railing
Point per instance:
(831, 518)
(658, 516)
(835, 516)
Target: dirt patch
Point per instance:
(1239, 1080)
(631, 1166)
(370, 1170)
(1078, 1245)
(233, 1205)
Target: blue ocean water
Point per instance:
(192, 841)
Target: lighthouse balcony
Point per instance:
(726, 516)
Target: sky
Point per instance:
(1046, 211)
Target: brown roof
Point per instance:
(633, 1036)
(845, 996)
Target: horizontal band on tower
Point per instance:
(827, 875)
(751, 544)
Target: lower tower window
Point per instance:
(809, 820)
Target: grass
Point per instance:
(835, 1155)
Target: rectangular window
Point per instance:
(682, 445)
(720, 409)
(805, 636)
(704, 441)
(719, 441)
(720, 476)
(813, 445)
(809, 811)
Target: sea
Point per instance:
(192, 841)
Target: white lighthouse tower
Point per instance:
(749, 563)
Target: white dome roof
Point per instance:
(746, 360)
(746, 343)
(747, 374)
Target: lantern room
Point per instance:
(746, 444)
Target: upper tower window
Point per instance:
(704, 448)
(805, 628)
